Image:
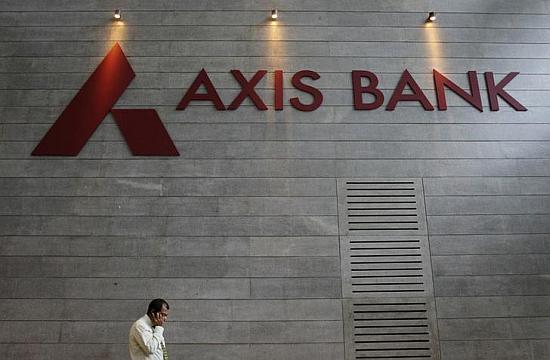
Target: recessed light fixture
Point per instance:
(117, 15)
(274, 14)
(431, 16)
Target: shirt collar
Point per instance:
(147, 320)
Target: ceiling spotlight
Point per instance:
(431, 16)
(274, 14)
(117, 15)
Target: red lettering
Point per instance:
(417, 95)
(278, 90)
(211, 93)
(247, 90)
(298, 84)
(359, 90)
(441, 82)
(498, 90)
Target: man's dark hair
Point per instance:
(156, 306)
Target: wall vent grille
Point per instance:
(386, 265)
(386, 270)
(392, 329)
(382, 206)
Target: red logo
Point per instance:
(145, 134)
(142, 128)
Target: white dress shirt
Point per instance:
(145, 341)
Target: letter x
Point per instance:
(248, 90)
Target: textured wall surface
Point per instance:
(241, 232)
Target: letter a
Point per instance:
(211, 93)
(417, 94)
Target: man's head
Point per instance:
(158, 307)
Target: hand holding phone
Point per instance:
(158, 318)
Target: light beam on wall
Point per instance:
(116, 30)
(433, 45)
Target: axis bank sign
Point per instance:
(146, 135)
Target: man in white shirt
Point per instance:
(146, 340)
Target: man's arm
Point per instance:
(149, 340)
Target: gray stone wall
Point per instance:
(241, 232)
